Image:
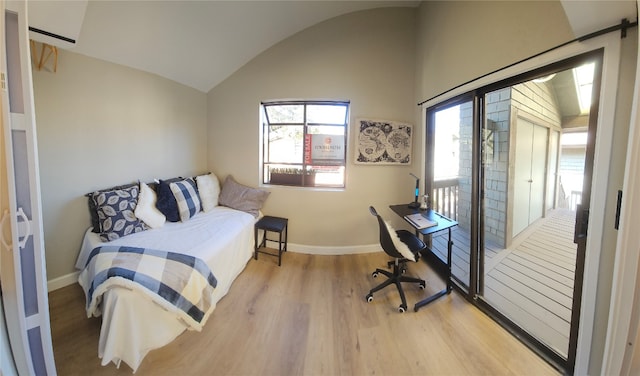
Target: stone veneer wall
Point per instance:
(531, 98)
(465, 166)
(496, 166)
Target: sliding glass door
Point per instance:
(450, 179)
(512, 162)
(536, 181)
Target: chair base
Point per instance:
(397, 278)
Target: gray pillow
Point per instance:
(241, 197)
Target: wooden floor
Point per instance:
(532, 281)
(309, 317)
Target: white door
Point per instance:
(538, 172)
(22, 261)
(552, 170)
(522, 175)
(529, 181)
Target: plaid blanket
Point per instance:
(179, 283)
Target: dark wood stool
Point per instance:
(273, 224)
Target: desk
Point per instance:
(444, 223)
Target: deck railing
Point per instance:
(444, 198)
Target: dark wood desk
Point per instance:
(444, 223)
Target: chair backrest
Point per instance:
(385, 237)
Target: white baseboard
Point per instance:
(71, 278)
(324, 250)
(60, 282)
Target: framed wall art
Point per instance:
(383, 142)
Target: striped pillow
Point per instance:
(186, 195)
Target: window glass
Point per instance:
(304, 143)
(285, 144)
(327, 114)
(285, 114)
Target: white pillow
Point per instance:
(146, 207)
(209, 190)
(400, 246)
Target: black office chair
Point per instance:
(401, 255)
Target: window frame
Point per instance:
(306, 163)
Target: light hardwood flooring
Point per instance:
(310, 317)
(531, 282)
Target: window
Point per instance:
(304, 143)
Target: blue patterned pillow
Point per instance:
(166, 201)
(187, 198)
(95, 222)
(116, 213)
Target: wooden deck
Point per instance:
(532, 281)
(460, 252)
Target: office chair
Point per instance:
(406, 246)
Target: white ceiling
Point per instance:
(589, 16)
(200, 43)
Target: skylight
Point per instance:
(584, 83)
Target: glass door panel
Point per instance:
(528, 257)
(451, 143)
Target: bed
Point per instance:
(132, 323)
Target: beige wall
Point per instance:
(495, 35)
(462, 40)
(101, 124)
(366, 57)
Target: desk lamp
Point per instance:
(415, 204)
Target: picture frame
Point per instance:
(383, 142)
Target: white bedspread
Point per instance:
(132, 325)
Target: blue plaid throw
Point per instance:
(179, 283)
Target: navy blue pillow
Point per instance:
(166, 202)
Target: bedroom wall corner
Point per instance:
(101, 124)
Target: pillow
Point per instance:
(186, 195)
(209, 190)
(166, 201)
(95, 222)
(146, 207)
(400, 246)
(240, 197)
(116, 213)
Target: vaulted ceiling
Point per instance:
(196, 43)
(201, 43)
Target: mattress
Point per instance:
(132, 324)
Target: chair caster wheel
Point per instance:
(402, 308)
(374, 274)
(423, 285)
(369, 298)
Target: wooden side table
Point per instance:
(273, 224)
